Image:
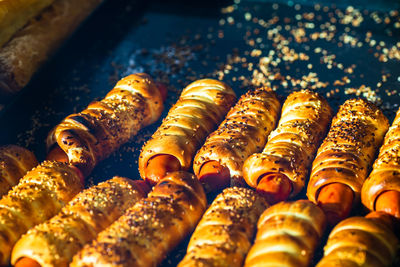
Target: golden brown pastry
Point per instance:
(225, 232)
(39, 195)
(32, 45)
(151, 228)
(381, 190)
(243, 132)
(200, 108)
(281, 170)
(56, 241)
(287, 235)
(15, 162)
(361, 242)
(345, 157)
(14, 14)
(93, 134)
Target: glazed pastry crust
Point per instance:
(385, 173)
(15, 162)
(288, 234)
(225, 232)
(348, 151)
(359, 241)
(31, 46)
(56, 241)
(93, 134)
(243, 132)
(291, 146)
(39, 195)
(201, 106)
(151, 228)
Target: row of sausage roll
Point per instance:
(278, 168)
(76, 145)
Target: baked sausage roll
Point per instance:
(385, 175)
(348, 151)
(56, 241)
(200, 108)
(151, 228)
(291, 146)
(360, 241)
(287, 235)
(225, 232)
(15, 162)
(93, 134)
(39, 195)
(243, 132)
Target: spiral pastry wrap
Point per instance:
(56, 241)
(39, 195)
(93, 134)
(288, 234)
(151, 228)
(15, 162)
(348, 151)
(225, 232)
(243, 132)
(291, 146)
(385, 173)
(359, 241)
(200, 108)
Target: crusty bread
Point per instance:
(31, 46)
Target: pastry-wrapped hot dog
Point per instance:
(381, 190)
(345, 157)
(243, 132)
(90, 136)
(39, 195)
(361, 242)
(15, 161)
(280, 171)
(200, 108)
(151, 228)
(225, 232)
(56, 241)
(287, 235)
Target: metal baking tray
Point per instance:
(341, 49)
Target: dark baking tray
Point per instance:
(180, 41)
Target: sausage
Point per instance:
(40, 195)
(224, 233)
(56, 241)
(381, 190)
(93, 134)
(15, 162)
(219, 162)
(345, 157)
(151, 228)
(199, 109)
(361, 241)
(288, 234)
(281, 169)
